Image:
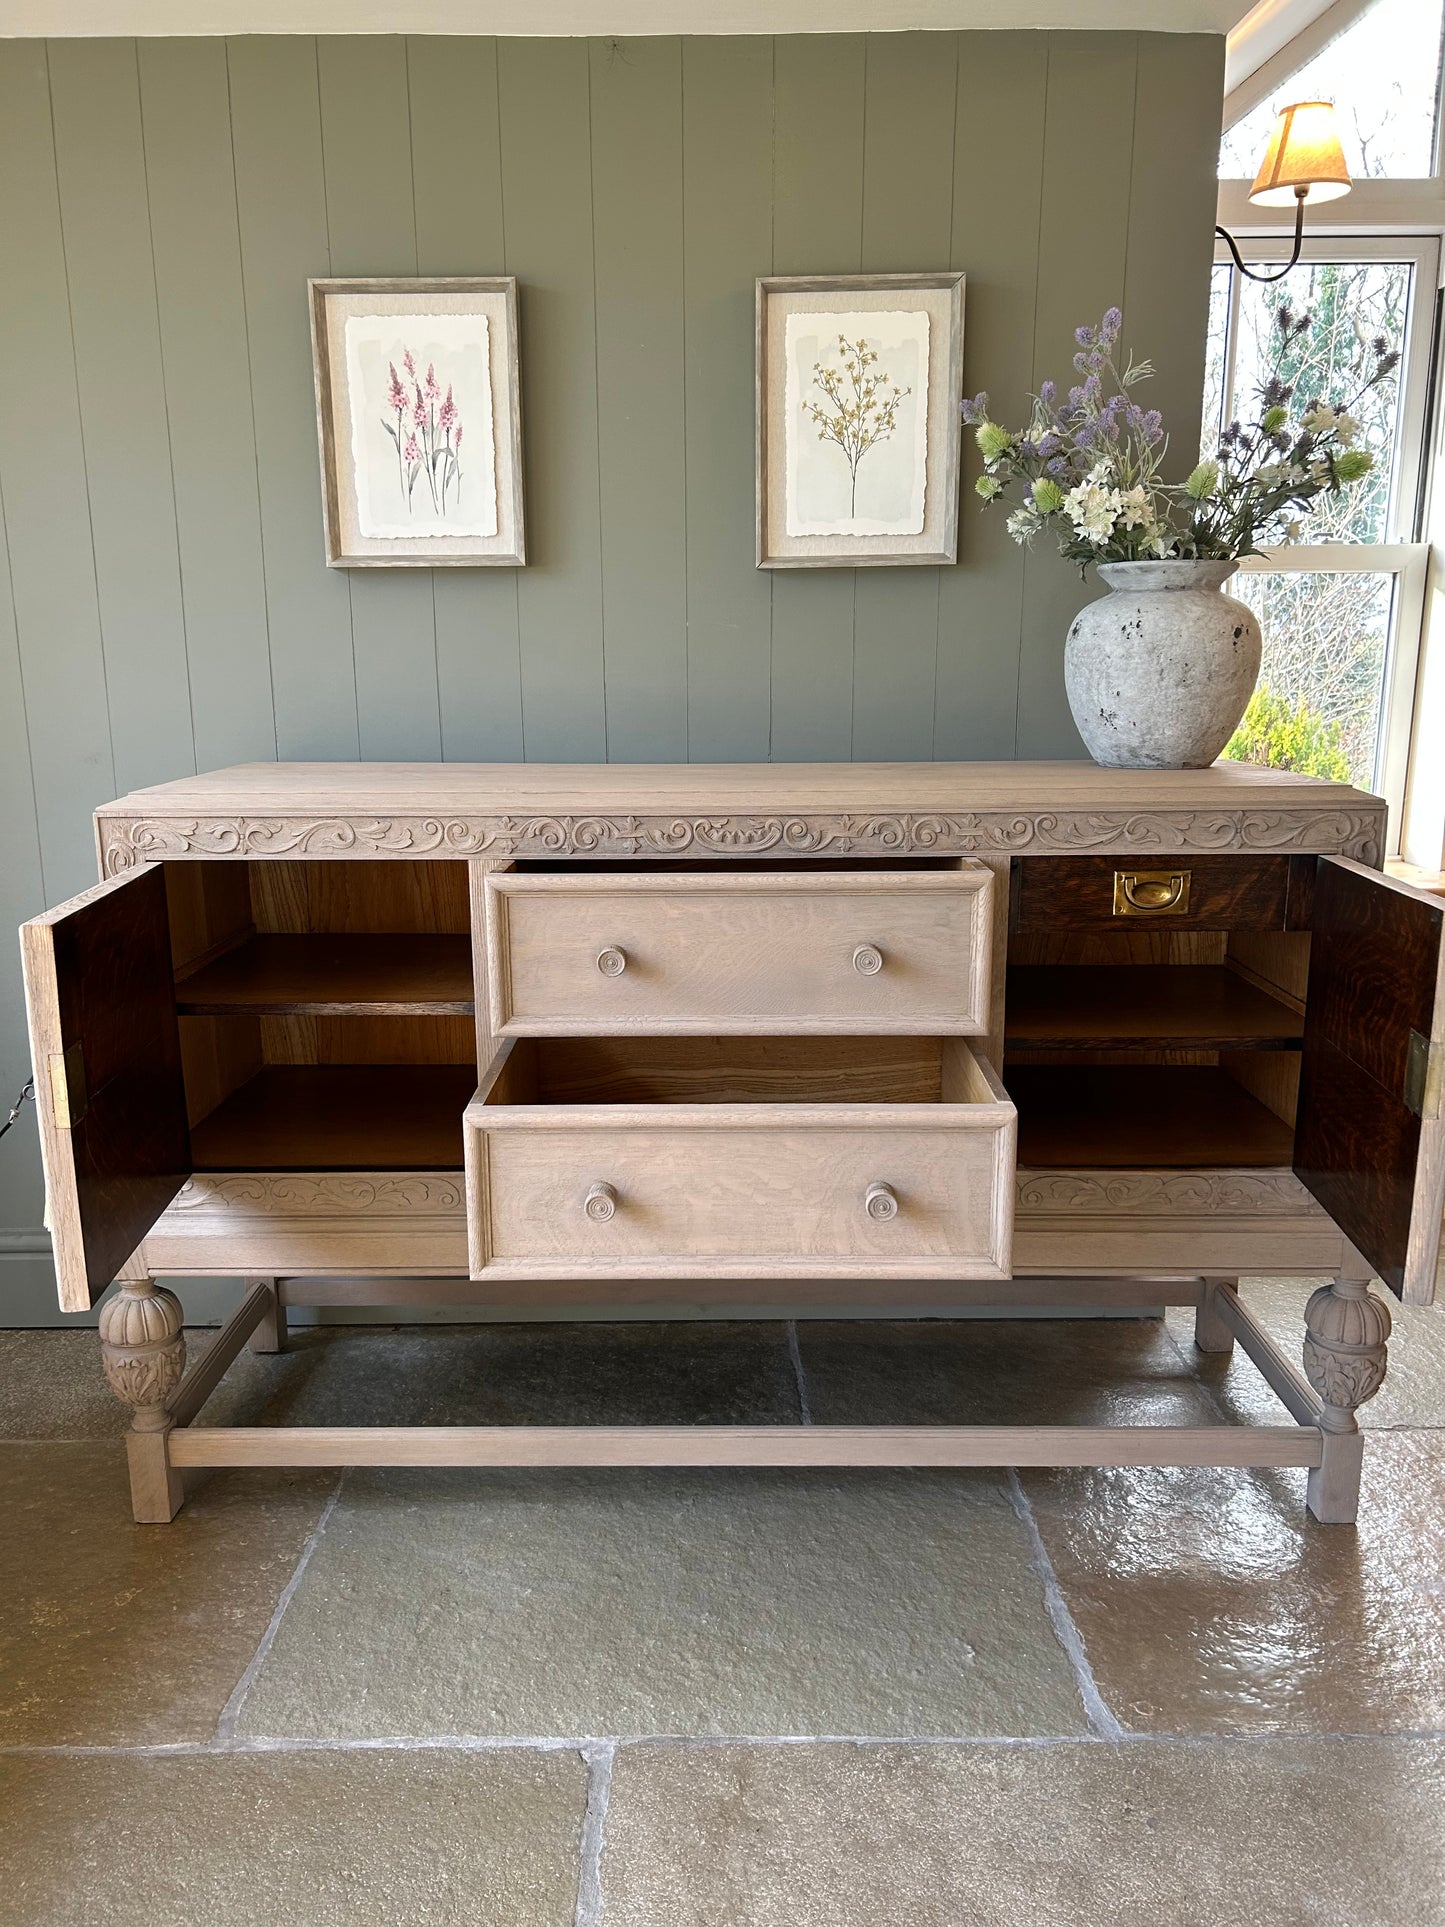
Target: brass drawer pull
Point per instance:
(867, 960)
(1151, 893)
(612, 961)
(880, 1202)
(600, 1204)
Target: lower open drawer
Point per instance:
(740, 1157)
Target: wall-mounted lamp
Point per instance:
(1304, 162)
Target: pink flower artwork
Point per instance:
(429, 445)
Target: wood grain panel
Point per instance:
(370, 219)
(361, 898)
(547, 169)
(355, 976)
(1377, 973)
(98, 984)
(1199, 1007)
(1148, 1117)
(1077, 893)
(1002, 78)
(1081, 273)
(910, 96)
(42, 479)
(749, 1070)
(281, 199)
(191, 184)
(636, 92)
(100, 162)
(818, 133)
(456, 156)
(333, 1117)
(727, 216)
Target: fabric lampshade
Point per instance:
(1304, 154)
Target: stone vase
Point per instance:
(1160, 670)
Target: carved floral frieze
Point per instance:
(323, 1195)
(127, 841)
(1170, 1195)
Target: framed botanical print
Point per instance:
(418, 410)
(859, 379)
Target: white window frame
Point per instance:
(1401, 554)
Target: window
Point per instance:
(1341, 610)
(1383, 74)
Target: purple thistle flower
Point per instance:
(1085, 337)
(1113, 321)
(1048, 393)
(975, 410)
(1058, 468)
(1152, 426)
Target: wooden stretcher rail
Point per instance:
(761, 1445)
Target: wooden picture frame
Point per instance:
(423, 363)
(822, 503)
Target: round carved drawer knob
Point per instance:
(612, 961)
(880, 1202)
(867, 960)
(600, 1204)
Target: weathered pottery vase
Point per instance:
(1160, 670)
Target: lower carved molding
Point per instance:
(1164, 1194)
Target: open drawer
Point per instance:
(786, 951)
(740, 1158)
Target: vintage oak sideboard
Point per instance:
(727, 1037)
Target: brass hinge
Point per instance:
(1424, 1076)
(67, 1087)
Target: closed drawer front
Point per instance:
(1143, 893)
(719, 1190)
(883, 953)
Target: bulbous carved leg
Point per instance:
(1345, 1354)
(143, 1349)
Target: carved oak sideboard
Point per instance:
(728, 1038)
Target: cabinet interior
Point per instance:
(326, 1012)
(740, 1070)
(1155, 1050)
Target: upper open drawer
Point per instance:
(758, 953)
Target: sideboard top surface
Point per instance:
(738, 809)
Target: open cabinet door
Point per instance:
(108, 1089)
(1370, 1140)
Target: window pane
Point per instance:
(1383, 76)
(1216, 350)
(1321, 685)
(1350, 304)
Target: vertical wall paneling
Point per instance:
(727, 242)
(1166, 313)
(42, 479)
(997, 181)
(912, 93)
(636, 90)
(281, 196)
(817, 229)
(185, 116)
(456, 159)
(104, 216)
(547, 171)
(22, 894)
(1081, 272)
(370, 217)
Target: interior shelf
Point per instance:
(1061, 1007)
(338, 976)
(339, 1117)
(1141, 1116)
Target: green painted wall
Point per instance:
(163, 602)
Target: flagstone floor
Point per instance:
(722, 1699)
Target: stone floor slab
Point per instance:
(636, 1603)
(113, 1633)
(413, 1839)
(1271, 1834)
(983, 1372)
(1210, 1602)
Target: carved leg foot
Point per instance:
(270, 1334)
(1346, 1328)
(143, 1349)
(1211, 1333)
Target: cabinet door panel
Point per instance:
(109, 1094)
(1370, 1142)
